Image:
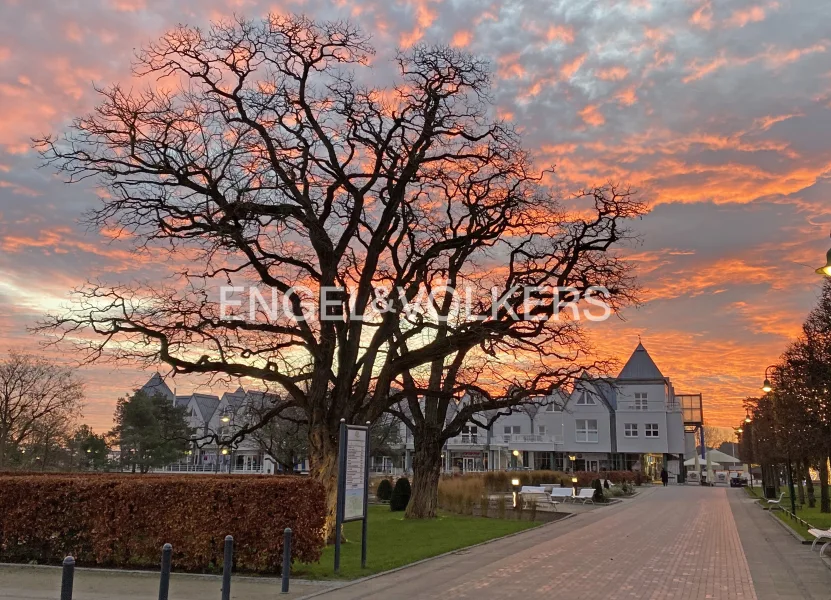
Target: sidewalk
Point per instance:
(44, 583)
(781, 567)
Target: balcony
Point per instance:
(531, 438)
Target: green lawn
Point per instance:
(811, 515)
(395, 541)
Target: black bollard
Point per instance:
(286, 560)
(67, 578)
(226, 567)
(164, 582)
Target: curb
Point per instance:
(789, 529)
(346, 584)
(174, 574)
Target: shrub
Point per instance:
(400, 494)
(122, 520)
(606, 484)
(460, 493)
(384, 491)
(501, 506)
(598, 491)
(484, 505)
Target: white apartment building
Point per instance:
(632, 421)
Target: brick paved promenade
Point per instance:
(671, 543)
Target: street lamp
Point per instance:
(766, 386)
(515, 489)
(826, 269)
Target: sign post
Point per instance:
(353, 483)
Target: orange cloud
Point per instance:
(461, 39)
(742, 17)
(616, 73)
(592, 116)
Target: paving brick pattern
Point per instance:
(674, 543)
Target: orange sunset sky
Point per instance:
(717, 112)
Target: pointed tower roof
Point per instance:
(156, 385)
(640, 366)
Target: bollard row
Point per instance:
(68, 575)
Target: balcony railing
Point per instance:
(468, 439)
(185, 468)
(531, 438)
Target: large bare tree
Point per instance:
(263, 151)
(36, 395)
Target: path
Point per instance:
(679, 543)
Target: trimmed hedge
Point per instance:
(123, 520)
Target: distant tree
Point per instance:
(385, 436)
(285, 438)
(150, 431)
(90, 450)
(36, 396)
(714, 436)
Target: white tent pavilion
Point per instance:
(723, 458)
(691, 462)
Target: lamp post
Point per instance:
(515, 489)
(571, 459)
(515, 458)
(767, 388)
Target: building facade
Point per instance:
(630, 422)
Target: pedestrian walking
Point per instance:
(664, 477)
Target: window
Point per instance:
(586, 430)
(630, 430)
(640, 401)
(541, 429)
(509, 429)
(469, 433)
(651, 429)
(585, 399)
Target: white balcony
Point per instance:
(531, 438)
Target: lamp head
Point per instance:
(515, 453)
(515, 481)
(225, 451)
(826, 269)
(766, 387)
(573, 480)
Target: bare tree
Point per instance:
(264, 153)
(35, 395)
(285, 438)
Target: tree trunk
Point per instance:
(323, 466)
(809, 484)
(426, 474)
(824, 498)
(800, 489)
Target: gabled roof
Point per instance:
(641, 367)
(207, 404)
(156, 385)
(181, 401)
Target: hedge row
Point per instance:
(123, 520)
(500, 481)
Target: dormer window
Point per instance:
(585, 399)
